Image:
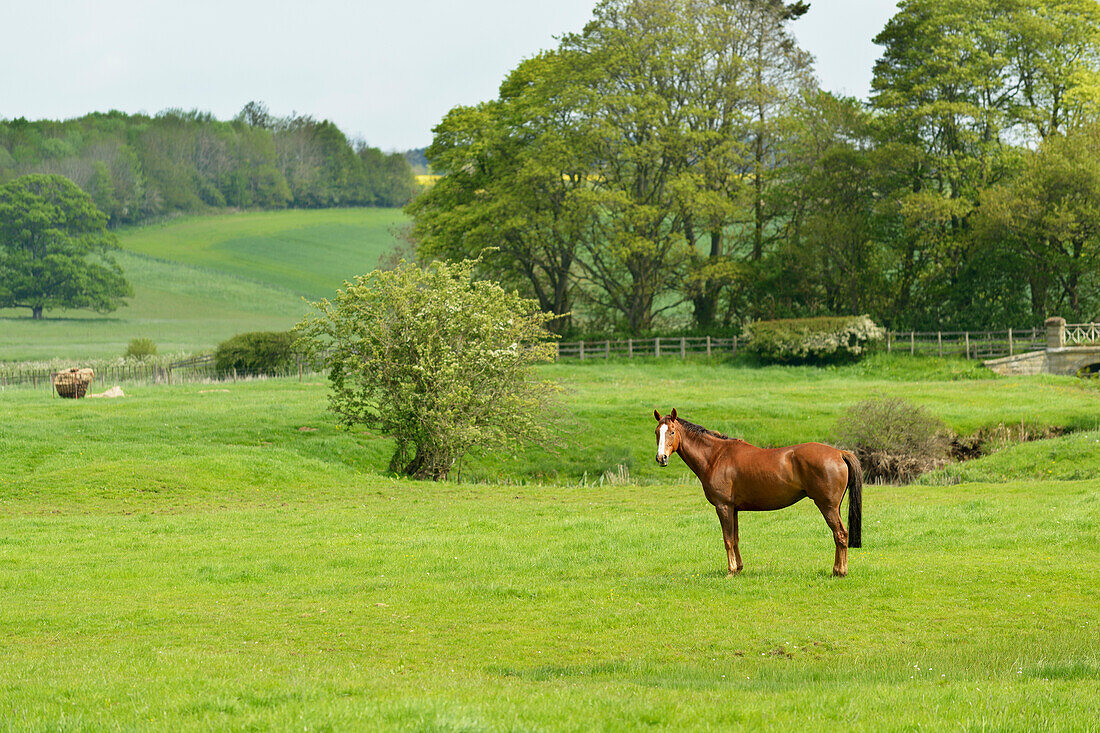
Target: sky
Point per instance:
(384, 72)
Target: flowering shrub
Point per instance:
(802, 340)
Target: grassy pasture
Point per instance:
(190, 557)
(199, 280)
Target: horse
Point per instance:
(737, 476)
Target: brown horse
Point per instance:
(737, 477)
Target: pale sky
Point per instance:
(383, 71)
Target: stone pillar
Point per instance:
(1056, 332)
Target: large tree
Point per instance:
(516, 192)
(1043, 225)
(623, 169)
(967, 86)
(55, 249)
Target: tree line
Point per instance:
(676, 163)
(137, 167)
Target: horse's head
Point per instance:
(668, 436)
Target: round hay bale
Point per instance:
(72, 383)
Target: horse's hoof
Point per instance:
(839, 573)
(733, 573)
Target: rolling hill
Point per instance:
(199, 280)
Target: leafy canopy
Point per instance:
(54, 248)
(437, 360)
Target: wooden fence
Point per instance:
(967, 344)
(679, 346)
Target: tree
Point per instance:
(54, 249)
(516, 182)
(437, 360)
(968, 86)
(1043, 225)
(623, 170)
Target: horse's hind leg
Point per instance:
(727, 516)
(840, 537)
(736, 542)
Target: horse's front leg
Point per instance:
(727, 516)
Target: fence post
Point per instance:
(582, 350)
(967, 335)
(888, 344)
(630, 348)
(939, 342)
(1010, 345)
(557, 351)
(657, 346)
(708, 347)
(683, 351)
(912, 343)
(607, 348)
(735, 345)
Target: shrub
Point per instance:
(435, 359)
(895, 440)
(256, 352)
(801, 340)
(141, 348)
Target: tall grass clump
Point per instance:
(896, 441)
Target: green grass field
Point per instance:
(200, 280)
(190, 557)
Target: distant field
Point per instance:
(309, 252)
(190, 557)
(199, 280)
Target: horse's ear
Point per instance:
(673, 413)
(657, 415)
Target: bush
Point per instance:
(141, 348)
(895, 440)
(435, 359)
(802, 340)
(255, 353)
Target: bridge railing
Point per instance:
(1082, 334)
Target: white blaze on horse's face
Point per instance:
(662, 452)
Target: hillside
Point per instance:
(198, 280)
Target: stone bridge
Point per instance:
(1071, 349)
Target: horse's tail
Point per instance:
(855, 500)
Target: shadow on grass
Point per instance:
(62, 319)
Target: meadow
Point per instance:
(222, 556)
(199, 280)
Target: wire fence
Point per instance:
(195, 369)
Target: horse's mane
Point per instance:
(700, 430)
